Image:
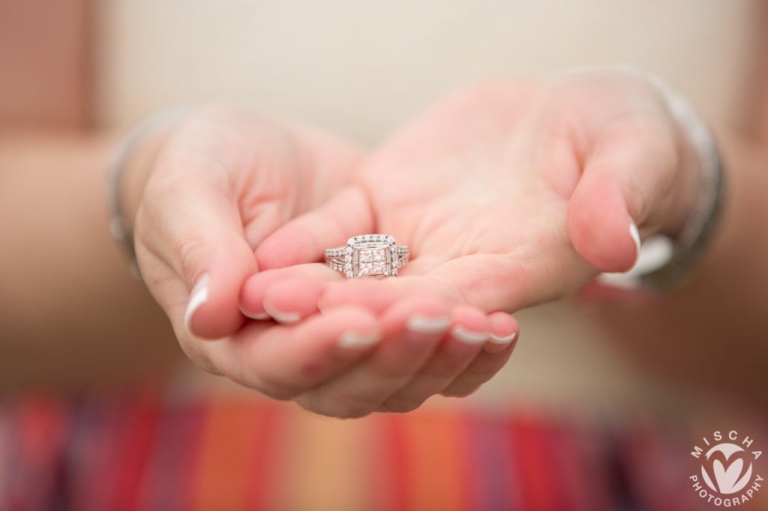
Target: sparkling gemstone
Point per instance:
(372, 261)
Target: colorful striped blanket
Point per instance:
(140, 453)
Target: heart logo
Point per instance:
(727, 469)
(727, 474)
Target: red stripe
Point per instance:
(191, 465)
(176, 440)
(41, 430)
(535, 480)
(571, 464)
(135, 444)
(396, 484)
(38, 428)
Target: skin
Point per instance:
(221, 182)
(567, 163)
(568, 180)
(710, 334)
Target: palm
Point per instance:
(476, 199)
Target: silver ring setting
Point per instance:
(369, 255)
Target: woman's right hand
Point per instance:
(221, 182)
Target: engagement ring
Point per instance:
(371, 255)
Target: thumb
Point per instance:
(305, 238)
(624, 182)
(196, 231)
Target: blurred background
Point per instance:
(360, 69)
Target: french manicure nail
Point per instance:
(635, 237)
(281, 316)
(358, 340)
(469, 337)
(198, 297)
(495, 339)
(426, 325)
(258, 316)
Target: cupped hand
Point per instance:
(221, 183)
(509, 194)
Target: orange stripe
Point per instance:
(439, 460)
(323, 465)
(229, 436)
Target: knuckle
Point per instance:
(188, 253)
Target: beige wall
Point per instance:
(362, 67)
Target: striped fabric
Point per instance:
(143, 454)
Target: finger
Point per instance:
(291, 300)
(399, 356)
(626, 175)
(469, 331)
(286, 294)
(504, 329)
(283, 361)
(378, 295)
(304, 239)
(483, 368)
(488, 281)
(196, 231)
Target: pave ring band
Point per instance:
(370, 255)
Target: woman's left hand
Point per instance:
(509, 194)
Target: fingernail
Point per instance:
(619, 281)
(198, 297)
(495, 339)
(469, 337)
(258, 316)
(635, 237)
(321, 306)
(281, 316)
(426, 325)
(358, 340)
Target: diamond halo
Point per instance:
(368, 255)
